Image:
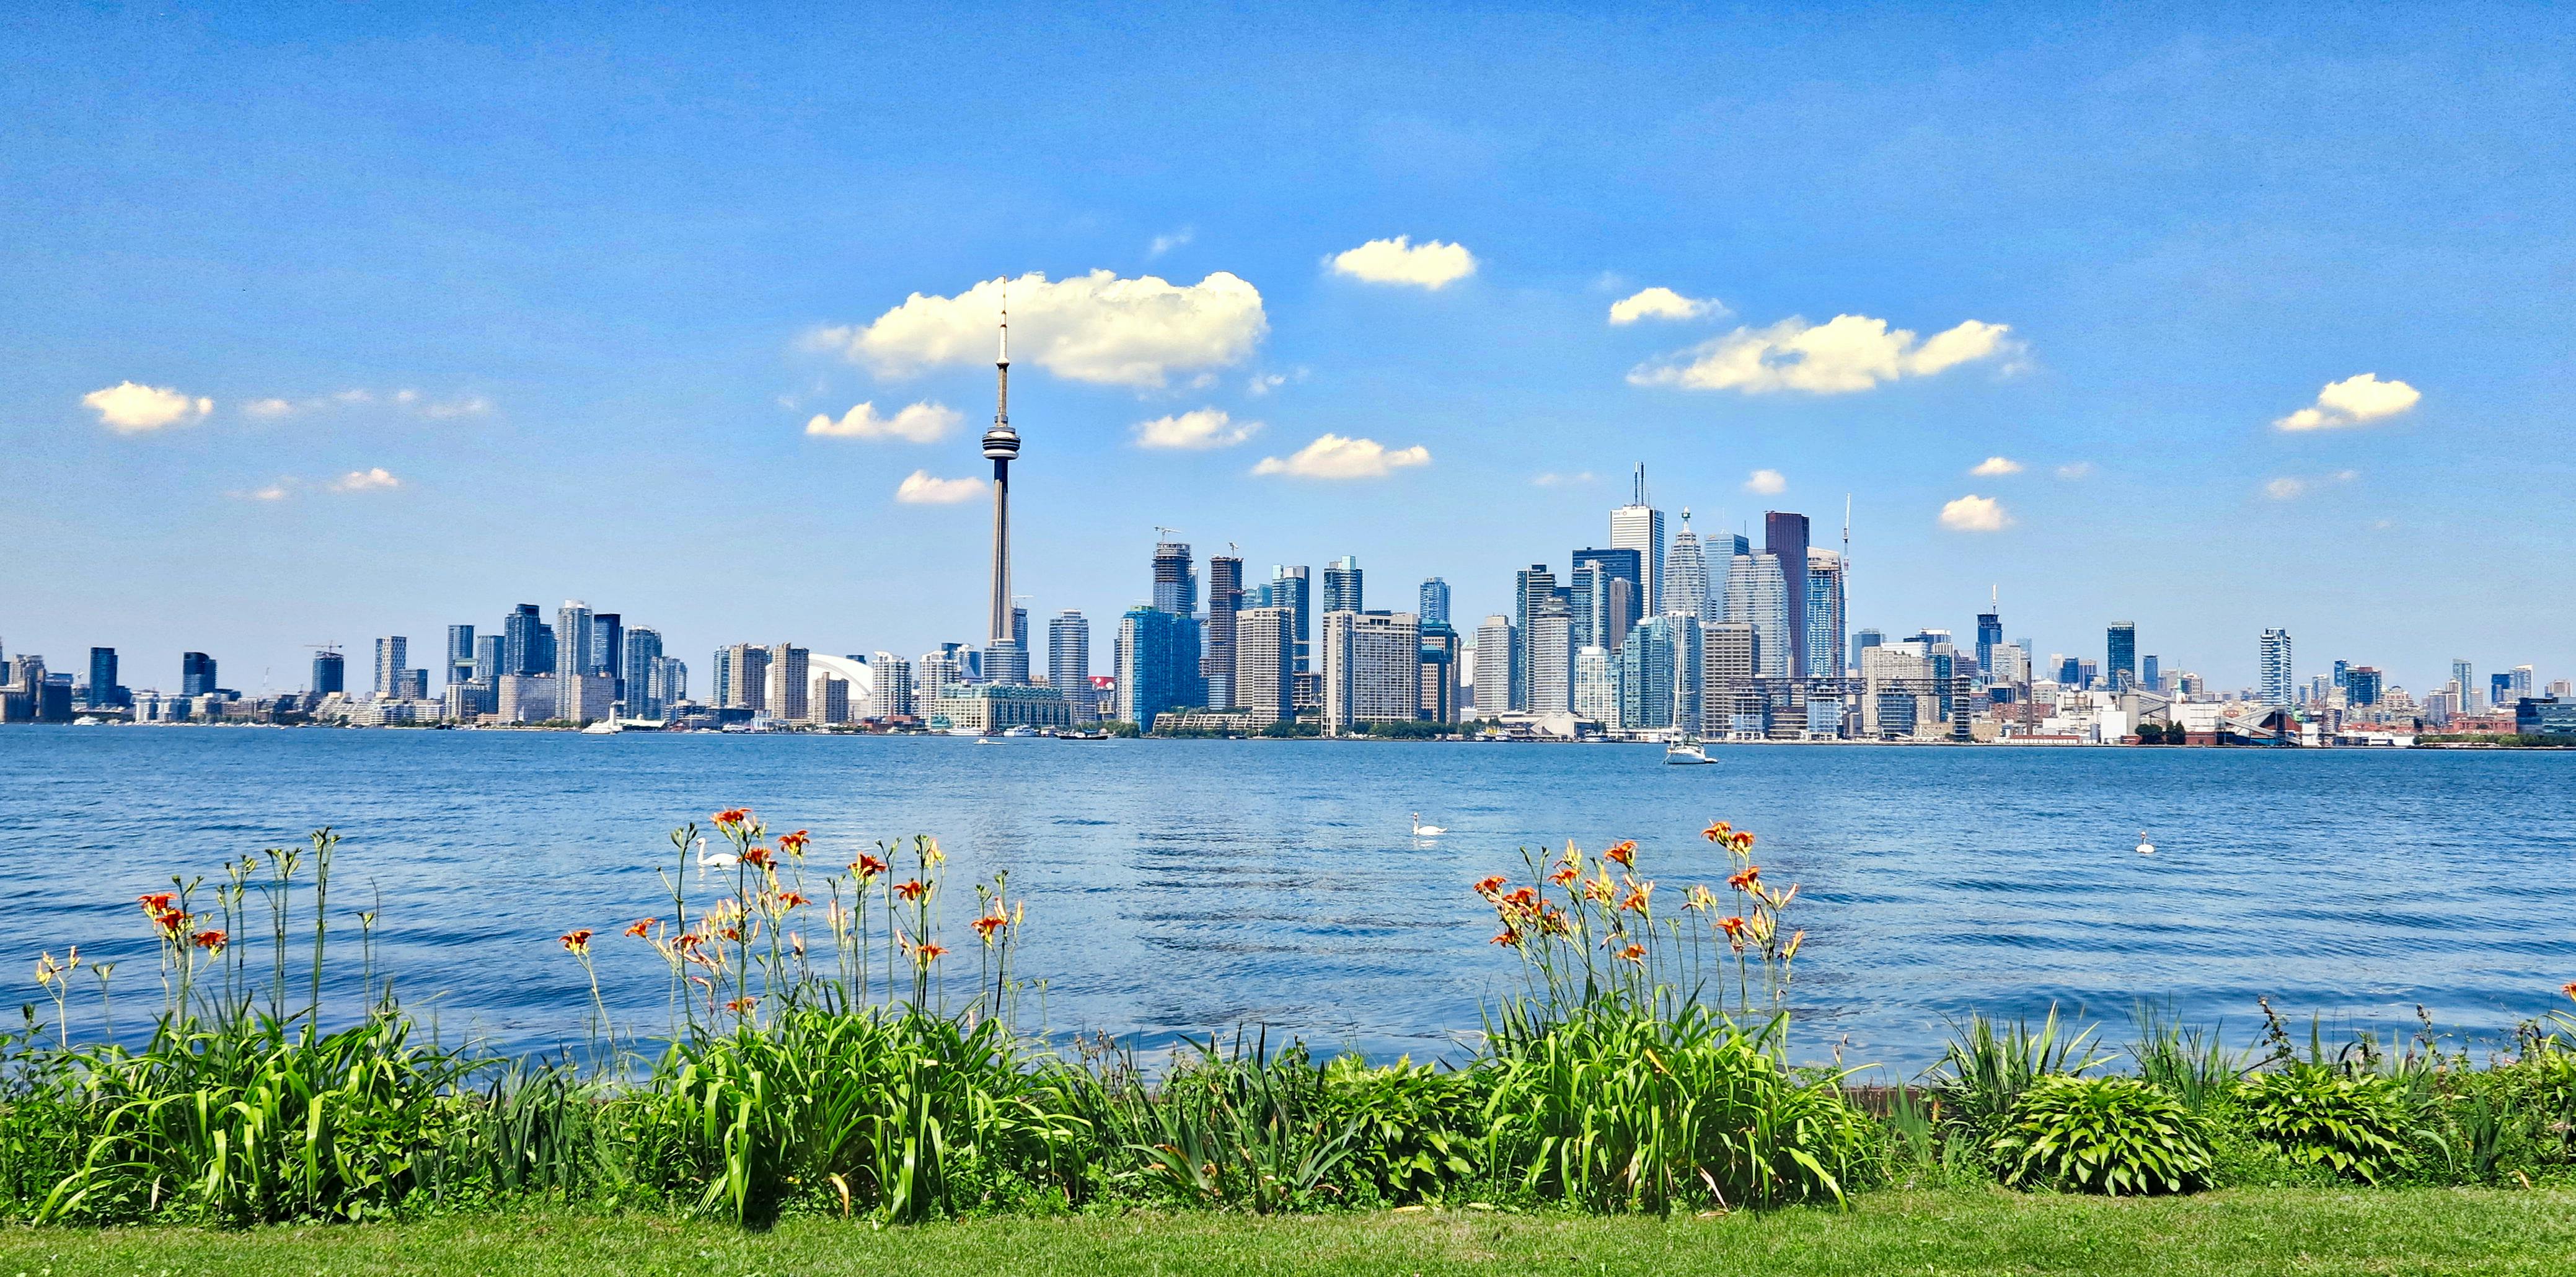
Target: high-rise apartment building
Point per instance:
(330, 673)
(791, 682)
(720, 678)
(1497, 666)
(1757, 594)
(2465, 674)
(1865, 640)
(105, 693)
(1440, 650)
(1289, 588)
(1372, 669)
(891, 689)
(1619, 601)
(2521, 682)
(640, 648)
(1435, 603)
(1176, 583)
(393, 656)
(1825, 573)
(669, 686)
(1342, 592)
(1596, 686)
(608, 645)
(196, 674)
(1150, 657)
(1784, 535)
(1990, 631)
(1639, 526)
(2279, 689)
(1646, 676)
(1224, 601)
(1730, 659)
(747, 679)
(1686, 576)
(524, 639)
(575, 639)
(1069, 654)
(1533, 591)
(1265, 663)
(460, 654)
(2121, 658)
(1550, 659)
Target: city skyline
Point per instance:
(2173, 358)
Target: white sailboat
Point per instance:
(1687, 751)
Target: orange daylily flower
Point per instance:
(1716, 831)
(986, 925)
(1635, 953)
(733, 816)
(1746, 878)
(641, 928)
(210, 941)
(1486, 887)
(577, 942)
(1509, 940)
(756, 856)
(1625, 853)
(1743, 839)
(794, 844)
(1565, 875)
(1733, 925)
(911, 888)
(926, 952)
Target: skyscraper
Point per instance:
(891, 689)
(608, 649)
(1149, 646)
(1372, 664)
(2465, 674)
(790, 682)
(1596, 686)
(1069, 653)
(2279, 690)
(1265, 663)
(1001, 445)
(1757, 594)
(1550, 659)
(1176, 584)
(1533, 590)
(103, 690)
(1614, 612)
(1686, 575)
(1289, 588)
(1867, 639)
(1497, 669)
(393, 657)
(2121, 660)
(1825, 573)
(1224, 601)
(460, 654)
(1990, 631)
(330, 673)
(1639, 526)
(2149, 677)
(1646, 675)
(575, 637)
(1439, 673)
(1785, 536)
(196, 674)
(1435, 602)
(523, 642)
(1342, 592)
(641, 648)
(747, 668)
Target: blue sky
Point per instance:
(620, 258)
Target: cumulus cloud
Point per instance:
(1973, 513)
(1200, 428)
(1095, 328)
(921, 422)
(1553, 479)
(128, 408)
(2352, 401)
(1429, 264)
(1332, 456)
(1844, 354)
(367, 480)
(918, 488)
(1766, 482)
(2077, 470)
(1662, 303)
(1996, 466)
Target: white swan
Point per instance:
(2145, 848)
(1421, 830)
(720, 860)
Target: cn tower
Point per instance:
(1001, 443)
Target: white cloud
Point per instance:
(469, 406)
(1429, 264)
(922, 422)
(1973, 513)
(1165, 243)
(1332, 456)
(2292, 487)
(1097, 328)
(128, 408)
(1662, 303)
(278, 491)
(367, 480)
(2077, 470)
(1992, 466)
(2352, 401)
(918, 488)
(268, 408)
(408, 400)
(1199, 428)
(1843, 354)
(1766, 482)
(1552, 479)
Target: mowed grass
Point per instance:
(2236, 1233)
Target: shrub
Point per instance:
(1987, 1066)
(2102, 1135)
(2351, 1125)
(1415, 1127)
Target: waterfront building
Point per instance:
(1639, 526)
(526, 647)
(2362, 686)
(1265, 664)
(747, 678)
(1342, 586)
(1596, 686)
(720, 678)
(2121, 658)
(1224, 602)
(1439, 673)
(1686, 576)
(1497, 666)
(1149, 651)
(1533, 591)
(890, 686)
(829, 700)
(1825, 573)
(105, 693)
(1435, 603)
(525, 698)
(608, 649)
(460, 655)
(585, 698)
(2465, 676)
(636, 691)
(996, 707)
(196, 674)
(2278, 688)
(936, 670)
(791, 679)
(1730, 661)
(1903, 687)
(1372, 669)
(2520, 682)
(1550, 660)
(1646, 676)
(1757, 594)
(575, 638)
(1005, 661)
(1289, 589)
(2551, 717)
(393, 656)
(670, 685)
(330, 673)
(1583, 602)
(1689, 651)
(1784, 537)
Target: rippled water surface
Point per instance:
(1186, 886)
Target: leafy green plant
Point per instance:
(1416, 1127)
(2354, 1125)
(2102, 1135)
(2191, 1063)
(1988, 1064)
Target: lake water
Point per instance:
(1179, 887)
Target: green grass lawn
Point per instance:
(2237, 1233)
